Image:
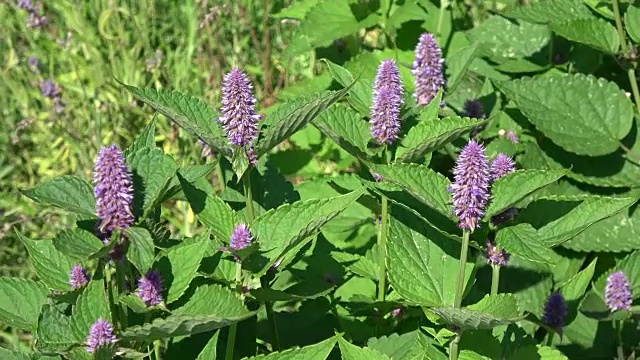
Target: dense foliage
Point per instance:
(451, 179)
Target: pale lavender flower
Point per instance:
(114, 190)
(501, 166)
(555, 311)
(150, 288)
(239, 118)
(35, 19)
(511, 135)
(207, 151)
(397, 312)
(474, 109)
(471, 186)
(58, 105)
(64, 43)
(427, 69)
(496, 256)
(101, 333)
(387, 99)
(34, 64)
(50, 89)
(25, 4)
(241, 237)
(377, 177)
(618, 292)
(78, 277)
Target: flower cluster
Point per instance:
(501, 166)
(36, 19)
(150, 288)
(34, 64)
(52, 91)
(471, 186)
(113, 191)
(555, 311)
(241, 237)
(100, 334)
(78, 277)
(618, 292)
(427, 69)
(496, 256)
(474, 109)
(239, 118)
(387, 99)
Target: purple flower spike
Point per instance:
(471, 186)
(101, 333)
(377, 177)
(50, 89)
(34, 64)
(496, 256)
(555, 311)
(150, 288)
(474, 109)
(239, 118)
(427, 69)
(501, 166)
(78, 277)
(511, 135)
(114, 190)
(387, 99)
(618, 292)
(241, 237)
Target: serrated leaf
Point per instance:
(589, 212)
(210, 350)
(190, 113)
(360, 93)
(421, 182)
(136, 304)
(178, 325)
(67, 192)
(91, 305)
(594, 32)
(632, 22)
(585, 115)
(574, 288)
(189, 173)
(319, 351)
(431, 134)
(146, 139)
(296, 10)
(421, 262)
(513, 187)
(630, 266)
(408, 11)
(77, 244)
(346, 128)
(537, 352)
(268, 294)
(211, 211)
(141, 250)
(54, 330)
(353, 352)
(490, 312)
(15, 355)
(411, 346)
(155, 170)
(550, 11)
(51, 266)
(293, 116)
(502, 39)
(278, 229)
(457, 65)
(179, 266)
(523, 241)
(360, 265)
(21, 301)
(213, 300)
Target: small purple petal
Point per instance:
(78, 277)
(511, 135)
(101, 333)
(150, 288)
(618, 292)
(241, 237)
(501, 166)
(496, 256)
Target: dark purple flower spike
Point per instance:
(427, 69)
(113, 191)
(150, 288)
(555, 311)
(100, 334)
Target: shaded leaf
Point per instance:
(141, 250)
(77, 244)
(21, 301)
(523, 241)
(490, 312)
(51, 266)
(67, 192)
(346, 128)
(353, 352)
(91, 305)
(319, 351)
(155, 170)
(181, 266)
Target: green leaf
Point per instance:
(178, 325)
(523, 241)
(421, 182)
(15, 355)
(179, 266)
(77, 244)
(190, 113)
(595, 32)
(239, 163)
(457, 65)
(319, 351)
(431, 134)
(297, 10)
(537, 352)
(21, 301)
(146, 139)
(408, 11)
(360, 265)
(141, 250)
(67, 192)
(155, 170)
(490, 312)
(589, 212)
(279, 229)
(211, 211)
(210, 350)
(91, 305)
(190, 174)
(502, 39)
(513, 187)
(136, 304)
(346, 128)
(411, 346)
(550, 11)
(624, 227)
(213, 300)
(421, 262)
(632, 23)
(353, 352)
(51, 266)
(293, 116)
(360, 93)
(54, 332)
(574, 288)
(630, 266)
(585, 115)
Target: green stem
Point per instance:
(268, 305)
(495, 279)
(619, 324)
(634, 87)
(220, 176)
(631, 72)
(443, 7)
(156, 349)
(248, 196)
(231, 339)
(550, 339)
(623, 40)
(461, 268)
(110, 291)
(120, 279)
(453, 347)
(382, 249)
